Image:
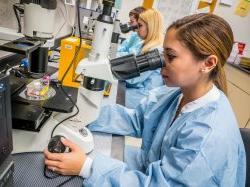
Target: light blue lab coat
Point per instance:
(202, 148)
(138, 87)
(132, 45)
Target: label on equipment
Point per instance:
(68, 47)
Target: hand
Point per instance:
(66, 163)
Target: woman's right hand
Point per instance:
(66, 163)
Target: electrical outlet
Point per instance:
(70, 2)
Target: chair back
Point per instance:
(245, 134)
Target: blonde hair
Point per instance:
(154, 38)
(204, 35)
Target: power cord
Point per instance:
(47, 174)
(60, 84)
(66, 181)
(18, 10)
(69, 67)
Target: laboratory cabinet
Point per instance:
(238, 83)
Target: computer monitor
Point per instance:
(6, 144)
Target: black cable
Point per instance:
(64, 75)
(68, 116)
(66, 181)
(16, 8)
(55, 175)
(54, 58)
(6, 67)
(18, 19)
(79, 48)
(57, 50)
(71, 64)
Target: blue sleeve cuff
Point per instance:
(86, 168)
(101, 165)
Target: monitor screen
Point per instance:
(6, 144)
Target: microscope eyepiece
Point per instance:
(131, 66)
(125, 28)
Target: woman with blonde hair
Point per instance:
(186, 138)
(153, 37)
(150, 30)
(133, 44)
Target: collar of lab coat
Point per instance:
(210, 96)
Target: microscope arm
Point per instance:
(121, 68)
(98, 70)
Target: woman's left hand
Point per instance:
(66, 163)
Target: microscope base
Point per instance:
(28, 141)
(77, 134)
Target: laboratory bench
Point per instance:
(28, 156)
(28, 165)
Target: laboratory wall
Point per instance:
(128, 5)
(7, 16)
(240, 25)
(65, 17)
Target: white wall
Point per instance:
(7, 16)
(128, 5)
(240, 25)
(65, 19)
